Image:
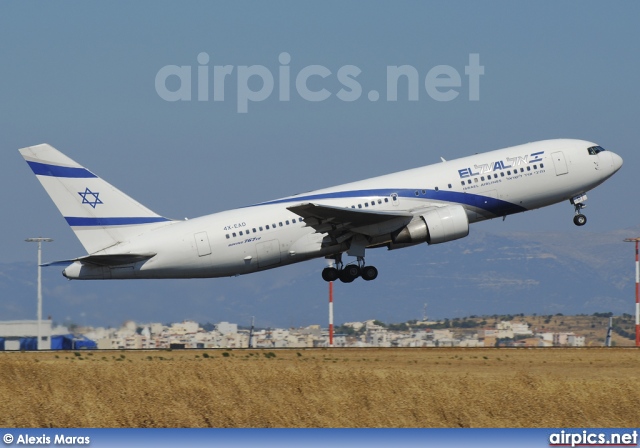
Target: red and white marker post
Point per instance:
(636, 240)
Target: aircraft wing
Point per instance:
(344, 222)
(105, 260)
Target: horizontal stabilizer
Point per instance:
(104, 260)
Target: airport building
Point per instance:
(23, 335)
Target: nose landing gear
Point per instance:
(578, 203)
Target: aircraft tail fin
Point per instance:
(100, 215)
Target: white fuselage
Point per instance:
(268, 235)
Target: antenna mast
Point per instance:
(251, 333)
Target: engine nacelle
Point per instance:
(435, 226)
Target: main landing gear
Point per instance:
(578, 203)
(350, 272)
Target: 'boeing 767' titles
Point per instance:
(432, 204)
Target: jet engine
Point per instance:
(435, 226)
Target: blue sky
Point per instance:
(81, 76)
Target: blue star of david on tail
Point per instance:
(91, 201)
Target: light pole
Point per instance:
(39, 240)
(630, 240)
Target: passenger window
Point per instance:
(280, 224)
(469, 182)
(241, 233)
(482, 178)
(233, 234)
(386, 199)
(379, 201)
(293, 220)
(475, 179)
(227, 235)
(509, 172)
(260, 228)
(373, 202)
(286, 222)
(541, 165)
(528, 168)
(424, 192)
(522, 170)
(366, 204)
(267, 226)
(417, 193)
(462, 182)
(501, 174)
(437, 188)
(449, 185)
(359, 205)
(273, 225)
(535, 167)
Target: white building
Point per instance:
(377, 336)
(12, 331)
(575, 341)
(521, 328)
(442, 334)
(504, 330)
(186, 327)
(355, 325)
(226, 328)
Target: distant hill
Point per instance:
(483, 274)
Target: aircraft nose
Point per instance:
(617, 161)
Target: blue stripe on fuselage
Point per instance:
(87, 222)
(492, 205)
(44, 169)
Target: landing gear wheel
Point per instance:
(369, 273)
(580, 219)
(330, 274)
(349, 273)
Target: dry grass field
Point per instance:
(444, 387)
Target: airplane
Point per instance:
(433, 204)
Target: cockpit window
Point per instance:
(595, 150)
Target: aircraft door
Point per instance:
(559, 163)
(395, 199)
(268, 253)
(202, 243)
